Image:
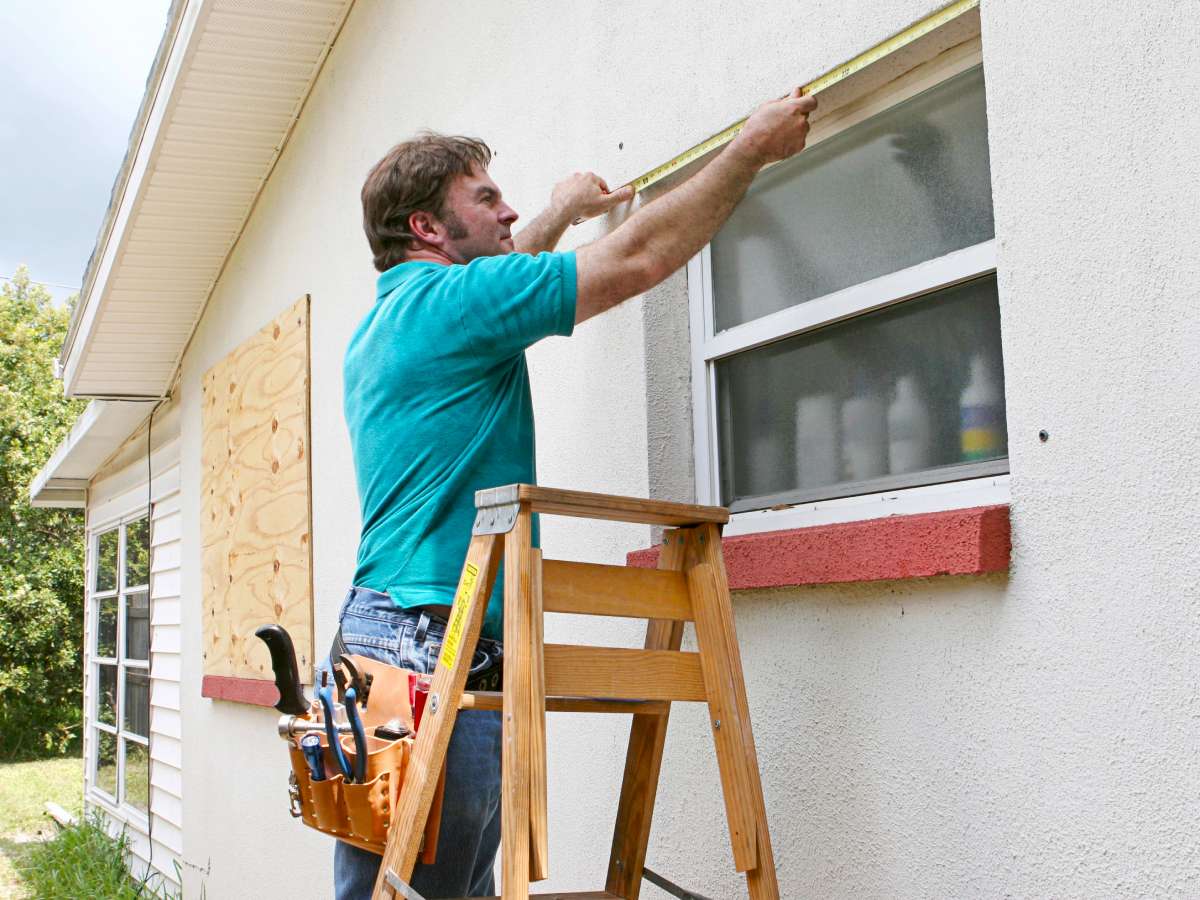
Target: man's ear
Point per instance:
(425, 228)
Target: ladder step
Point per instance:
(495, 700)
(586, 505)
(579, 895)
(607, 672)
(599, 590)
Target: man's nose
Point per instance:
(508, 215)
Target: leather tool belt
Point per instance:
(359, 810)
(490, 679)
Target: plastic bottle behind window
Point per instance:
(817, 455)
(864, 432)
(910, 429)
(981, 410)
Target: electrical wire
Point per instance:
(66, 287)
(150, 639)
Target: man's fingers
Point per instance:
(622, 194)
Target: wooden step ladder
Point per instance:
(688, 586)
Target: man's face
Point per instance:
(476, 217)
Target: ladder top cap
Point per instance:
(582, 504)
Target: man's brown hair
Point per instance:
(414, 175)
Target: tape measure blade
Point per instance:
(839, 73)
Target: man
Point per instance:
(438, 406)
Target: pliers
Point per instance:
(360, 736)
(325, 695)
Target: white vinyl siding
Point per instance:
(120, 498)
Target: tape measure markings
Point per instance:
(833, 76)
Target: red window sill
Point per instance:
(255, 691)
(958, 542)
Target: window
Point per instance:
(120, 664)
(845, 319)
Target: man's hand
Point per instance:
(776, 130)
(663, 235)
(584, 195)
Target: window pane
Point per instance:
(849, 409)
(137, 702)
(907, 185)
(137, 775)
(106, 561)
(137, 553)
(106, 702)
(106, 762)
(137, 626)
(106, 627)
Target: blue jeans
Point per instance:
(373, 626)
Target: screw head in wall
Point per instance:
(1043, 435)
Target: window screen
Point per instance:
(901, 384)
(907, 185)
(914, 390)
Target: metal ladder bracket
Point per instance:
(402, 888)
(669, 886)
(496, 510)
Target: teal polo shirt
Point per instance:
(438, 406)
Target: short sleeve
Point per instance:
(511, 302)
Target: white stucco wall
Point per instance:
(1031, 735)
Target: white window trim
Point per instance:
(708, 346)
(118, 808)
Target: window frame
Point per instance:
(115, 803)
(986, 483)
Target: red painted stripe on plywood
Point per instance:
(255, 691)
(956, 542)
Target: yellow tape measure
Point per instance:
(832, 77)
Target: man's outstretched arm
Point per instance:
(662, 236)
(581, 196)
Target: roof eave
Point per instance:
(83, 315)
(97, 434)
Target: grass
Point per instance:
(24, 789)
(40, 861)
(81, 861)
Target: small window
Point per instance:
(120, 661)
(848, 314)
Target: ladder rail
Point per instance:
(690, 584)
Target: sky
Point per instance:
(72, 75)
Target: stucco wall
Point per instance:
(1029, 735)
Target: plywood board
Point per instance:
(255, 511)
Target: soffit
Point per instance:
(233, 84)
(99, 432)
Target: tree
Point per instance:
(41, 550)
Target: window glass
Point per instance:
(106, 701)
(106, 762)
(137, 701)
(106, 561)
(907, 185)
(106, 627)
(137, 625)
(137, 553)
(913, 394)
(137, 775)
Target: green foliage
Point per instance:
(41, 550)
(84, 860)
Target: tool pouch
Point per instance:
(361, 814)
